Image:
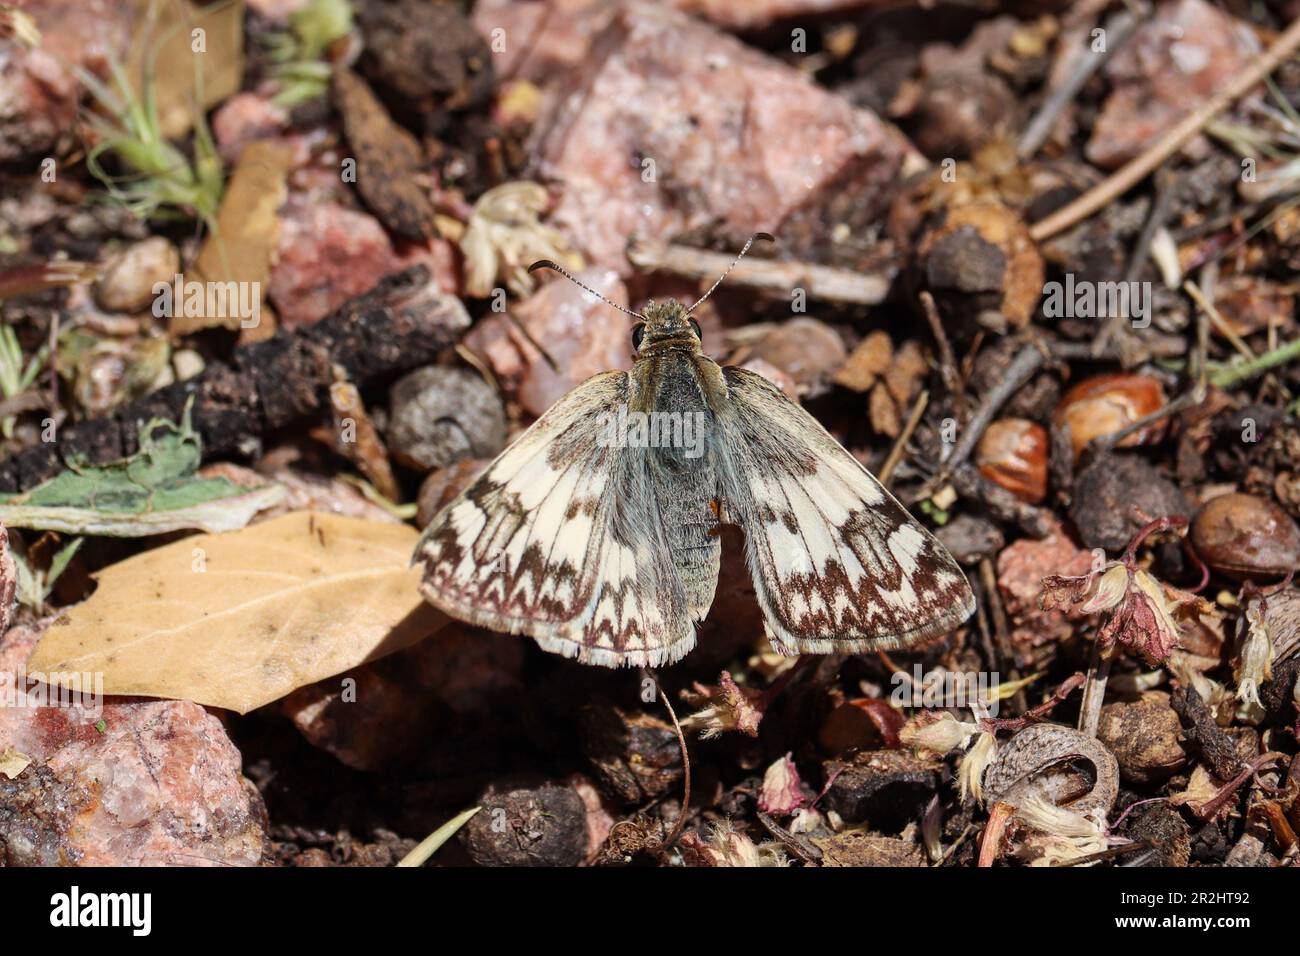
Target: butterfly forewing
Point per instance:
(837, 563)
(562, 539)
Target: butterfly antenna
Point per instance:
(755, 236)
(548, 264)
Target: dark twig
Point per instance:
(1137, 169)
(900, 445)
(947, 361)
(1119, 28)
(1156, 218)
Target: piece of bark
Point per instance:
(389, 160)
(402, 323)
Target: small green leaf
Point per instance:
(151, 492)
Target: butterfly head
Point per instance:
(665, 326)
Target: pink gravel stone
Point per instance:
(740, 142)
(582, 334)
(38, 89)
(159, 785)
(1177, 60)
(329, 253)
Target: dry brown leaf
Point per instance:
(166, 41)
(276, 606)
(866, 363)
(240, 250)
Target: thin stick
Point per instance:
(1119, 29)
(1219, 322)
(1137, 169)
(680, 822)
(1232, 374)
(1094, 691)
(826, 283)
(1155, 219)
(947, 361)
(900, 445)
(1028, 361)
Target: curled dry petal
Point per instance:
(1060, 835)
(727, 846)
(1110, 590)
(1062, 590)
(506, 235)
(1255, 662)
(781, 792)
(938, 733)
(970, 772)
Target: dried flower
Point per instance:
(725, 707)
(505, 235)
(938, 733)
(1060, 835)
(726, 846)
(1255, 662)
(781, 791)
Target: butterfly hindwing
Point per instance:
(838, 564)
(561, 539)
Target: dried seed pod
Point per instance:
(1104, 404)
(523, 825)
(1109, 494)
(1041, 761)
(1246, 538)
(1145, 737)
(440, 415)
(1012, 453)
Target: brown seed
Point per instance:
(1144, 735)
(1104, 404)
(1243, 537)
(1013, 453)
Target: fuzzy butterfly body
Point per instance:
(604, 545)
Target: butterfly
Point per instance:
(596, 532)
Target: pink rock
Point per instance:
(541, 39)
(1177, 60)
(328, 253)
(544, 38)
(394, 704)
(754, 14)
(38, 88)
(671, 127)
(582, 334)
(142, 783)
(1021, 568)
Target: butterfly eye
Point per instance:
(695, 327)
(638, 333)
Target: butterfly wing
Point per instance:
(838, 564)
(561, 539)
